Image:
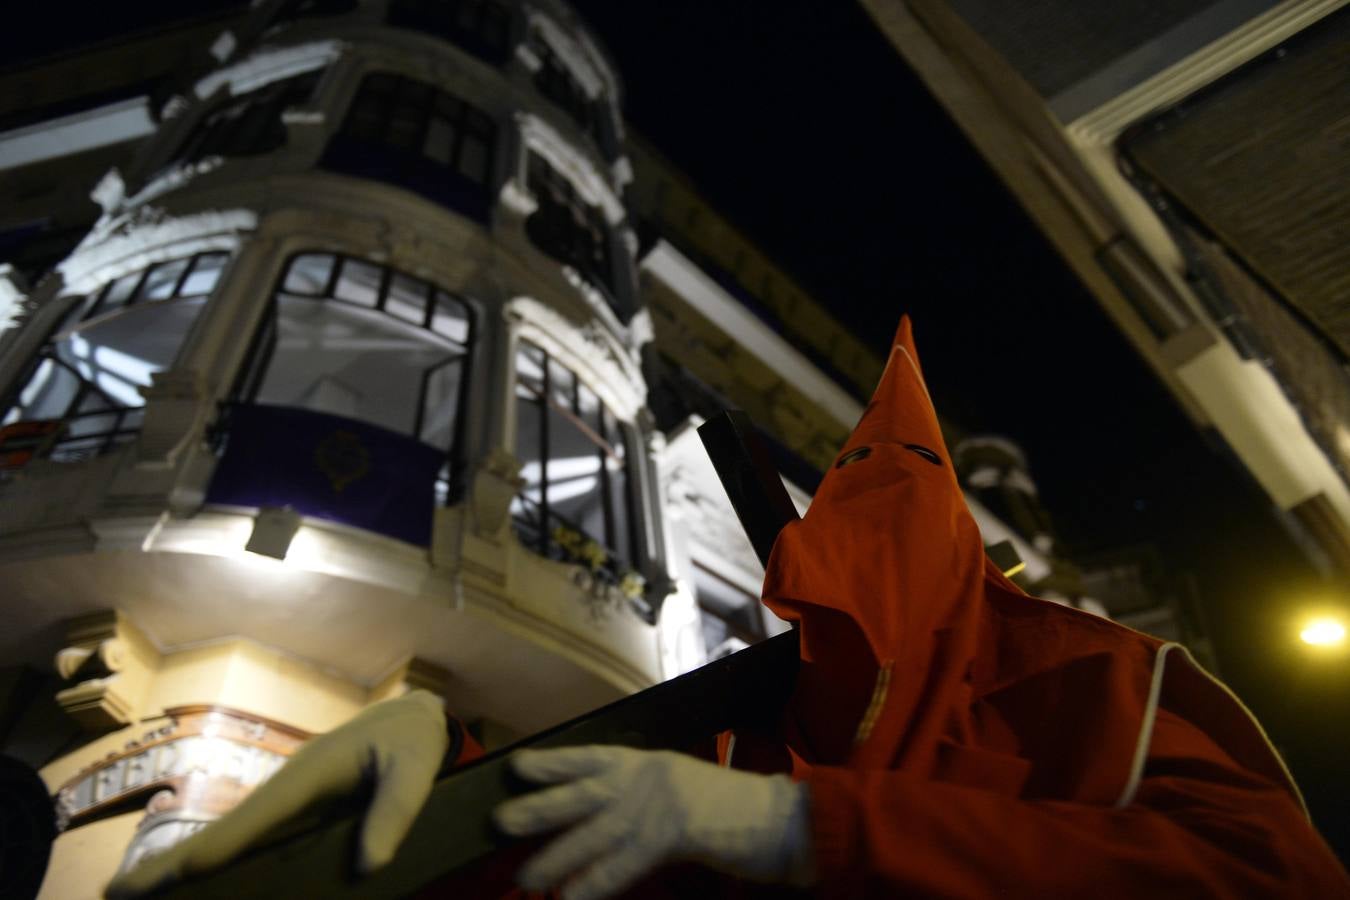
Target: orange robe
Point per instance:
(962, 739)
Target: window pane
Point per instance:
(415, 95)
(119, 355)
(93, 402)
(49, 392)
(118, 293)
(623, 538)
(473, 159)
(530, 367)
(405, 127)
(344, 362)
(449, 106)
(525, 507)
(96, 423)
(562, 384)
(440, 408)
(205, 273)
(450, 318)
(159, 284)
(359, 282)
(574, 490)
(588, 408)
(308, 274)
(407, 299)
(440, 142)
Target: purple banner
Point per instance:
(328, 467)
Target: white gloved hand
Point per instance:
(645, 808)
(396, 746)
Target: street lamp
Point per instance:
(1323, 632)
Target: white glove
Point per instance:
(396, 745)
(644, 808)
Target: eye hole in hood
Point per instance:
(925, 453)
(852, 456)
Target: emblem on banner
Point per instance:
(342, 458)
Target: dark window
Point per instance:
(483, 27)
(82, 395)
(409, 133)
(557, 83)
(568, 228)
(577, 500)
(732, 617)
(351, 338)
(249, 124)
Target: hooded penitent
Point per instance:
(964, 739)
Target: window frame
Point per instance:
(558, 84)
(619, 560)
(262, 349)
(91, 307)
(558, 191)
(361, 145)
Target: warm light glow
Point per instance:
(1323, 633)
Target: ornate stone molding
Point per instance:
(188, 770)
(494, 486)
(587, 349)
(110, 663)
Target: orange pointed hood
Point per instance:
(885, 573)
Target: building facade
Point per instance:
(356, 375)
(340, 394)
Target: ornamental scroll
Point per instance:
(188, 771)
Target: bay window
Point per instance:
(349, 406)
(577, 501)
(411, 134)
(569, 228)
(82, 395)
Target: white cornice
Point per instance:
(268, 65)
(1241, 45)
(710, 300)
(575, 166)
(125, 120)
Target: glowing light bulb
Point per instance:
(1323, 632)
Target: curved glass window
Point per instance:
(568, 228)
(483, 27)
(576, 503)
(249, 124)
(411, 134)
(385, 348)
(83, 394)
(349, 405)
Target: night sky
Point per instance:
(800, 123)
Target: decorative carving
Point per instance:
(342, 458)
(15, 304)
(493, 488)
(110, 191)
(194, 767)
(110, 661)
